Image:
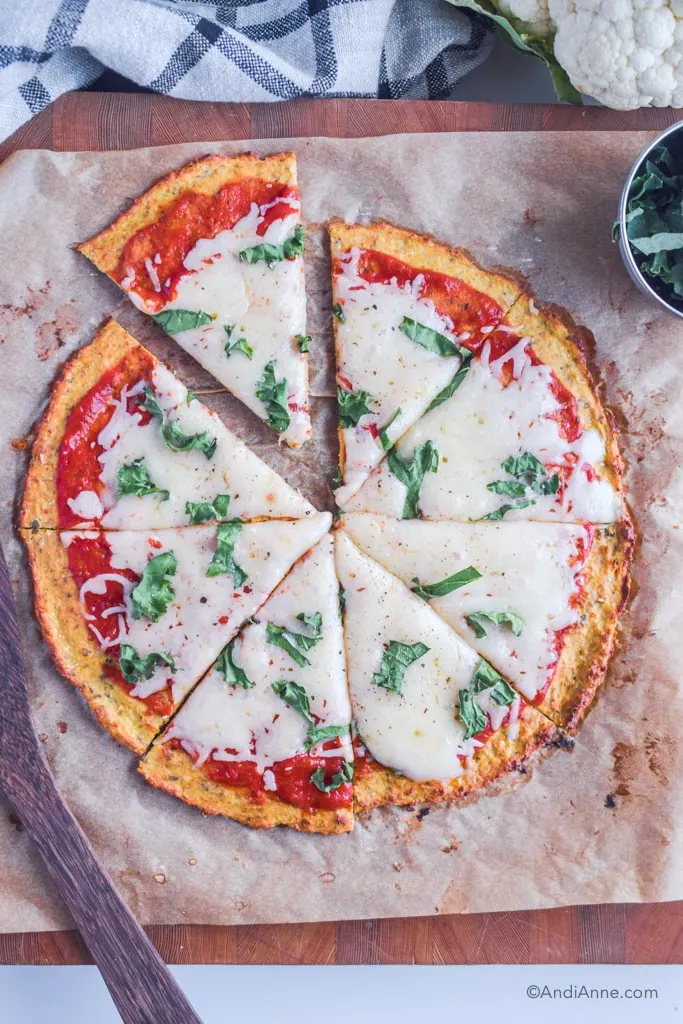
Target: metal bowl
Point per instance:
(640, 279)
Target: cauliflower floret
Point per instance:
(534, 12)
(625, 53)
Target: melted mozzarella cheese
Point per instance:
(254, 488)
(375, 356)
(206, 611)
(236, 724)
(416, 732)
(265, 305)
(525, 570)
(475, 432)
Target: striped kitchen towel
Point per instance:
(235, 50)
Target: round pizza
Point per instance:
(266, 663)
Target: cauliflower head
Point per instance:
(624, 53)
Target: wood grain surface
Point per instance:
(645, 933)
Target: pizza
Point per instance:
(404, 309)
(521, 435)
(124, 444)
(265, 737)
(434, 720)
(271, 664)
(540, 601)
(214, 253)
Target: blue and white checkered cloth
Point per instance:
(235, 50)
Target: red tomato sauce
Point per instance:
(78, 468)
(292, 779)
(165, 243)
(469, 309)
(88, 557)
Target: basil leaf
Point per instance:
(395, 661)
(232, 673)
(338, 312)
(135, 669)
(223, 560)
(531, 471)
(134, 479)
(295, 696)
(447, 586)
(318, 734)
(503, 510)
(352, 406)
(271, 254)
(148, 401)
(512, 488)
(476, 621)
(428, 338)
(503, 694)
(335, 476)
(204, 511)
(153, 594)
(273, 394)
(191, 397)
(484, 677)
(341, 600)
(340, 778)
(303, 342)
(241, 345)
(412, 472)
(295, 643)
(549, 485)
(454, 384)
(471, 715)
(178, 441)
(384, 439)
(174, 321)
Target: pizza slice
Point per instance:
(124, 445)
(214, 253)
(524, 436)
(265, 737)
(134, 618)
(539, 601)
(406, 311)
(434, 720)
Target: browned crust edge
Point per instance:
(171, 770)
(74, 650)
(585, 656)
(377, 785)
(78, 375)
(206, 175)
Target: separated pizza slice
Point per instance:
(539, 601)
(406, 311)
(264, 738)
(523, 436)
(434, 719)
(134, 618)
(124, 445)
(214, 253)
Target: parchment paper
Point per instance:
(604, 823)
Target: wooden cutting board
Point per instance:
(641, 933)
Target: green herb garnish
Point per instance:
(484, 677)
(174, 321)
(273, 394)
(395, 661)
(455, 383)
(232, 673)
(171, 431)
(303, 342)
(447, 586)
(241, 345)
(293, 643)
(294, 695)
(134, 479)
(204, 511)
(135, 669)
(153, 594)
(271, 254)
(340, 778)
(223, 560)
(384, 438)
(477, 619)
(318, 734)
(352, 405)
(412, 472)
(338, 312)
(428, 338)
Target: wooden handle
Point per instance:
(140, 984)
(138, 980)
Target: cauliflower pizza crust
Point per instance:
(258, 677)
